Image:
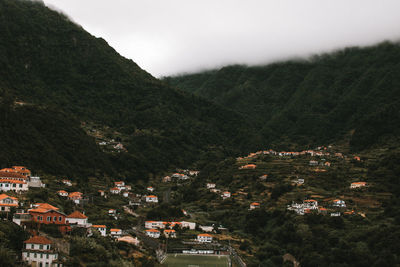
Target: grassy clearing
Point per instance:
(178, 260)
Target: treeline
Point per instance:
(313, 101)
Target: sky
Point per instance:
(169, 37)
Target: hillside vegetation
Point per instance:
(319, 100)
(48, 61)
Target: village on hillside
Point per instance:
(138, 214)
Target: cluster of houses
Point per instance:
(310, 205)
(224, 195)
(155, 228)
(180, 175)
(18, 179)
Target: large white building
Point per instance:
(38, 251)
(153, 233)
(151, 198)
(13, 185)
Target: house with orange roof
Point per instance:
(151, 199)
(150, 188)
(44, 214)
(44, 206)
(248, 167)
(77, 218)
(115, 232)
(254, 205)
(101, 228)
(357, 158)
(115, 190)
(120, 185)
(204, 238)
(170, 233)
(154, 224)
(153, 233)
(7, 202)
(226, 195)
(17, 186)
(62, 193)
(358, 185)
(322, 210)
(22, 170)
(101, 192)
(76, 197)
(38, 251)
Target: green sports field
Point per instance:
(179, 260)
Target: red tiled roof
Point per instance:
(77, 214)
(152, 230)
(46, 206)
(99, 226)
(11, 181)
(38, 240)
(204, 235)
(3, 196)
(115, 230)
(11, 175)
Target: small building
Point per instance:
(150, 189)
(101, 228)
(21, 217)
(313, 163)
(129, 239)
(357, 185)
(125, 194)
(153, 233)
(77, 218)
(151, 199)
(248, 167)
(206, 228)
(357, 158)
(327, 164)
(35, 181)
(154, 224)
(112, 212)
(38, 251)
(210, 185)
(120, 185)
(101, 192)
(166, 179)
(7, 202)
(335, 214)
(114, 232)
(114, 190)
(189, 225)
(170, 233)
(263, 177)
(339, 203)
(254, 205)
(76, 197)
(62, 193)
(204, 238)
(67, 182)
(226, 195)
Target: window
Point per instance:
(41, 255)
(55, 218)
(41, 247)
(27, 254)
(47, 256)
(32, 246)
(20, 186)
(60, 218)
(34, 255)
(6, 185)
(49, 218)
(14, 185)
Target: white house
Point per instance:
(358, 185)
(210, 185)
(153, 233)
(335, 214)
(150, 189)
(226, 195)
(313, 163)
(101, 228)
(38, 251)
(67, 182)
(204, 238)
(339, 203)
(170, 233)
(154, 224)
(34, 181)
(254, 205)
(77, 218)
(116, 232)
(151, 198)
(13, 185)
(114, 190)
(310, 204)
(190, 225)
(112, 212)
(62, 193)
(120, 185)
(7, 202)
(206, 228)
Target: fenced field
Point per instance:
(180, 260)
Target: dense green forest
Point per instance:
(48, 61)
(318, 100)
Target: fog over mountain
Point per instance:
(170, 37)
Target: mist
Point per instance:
(180, 36)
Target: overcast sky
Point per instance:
(167, 37)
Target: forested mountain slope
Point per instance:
(312, 101)
(47, 60)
